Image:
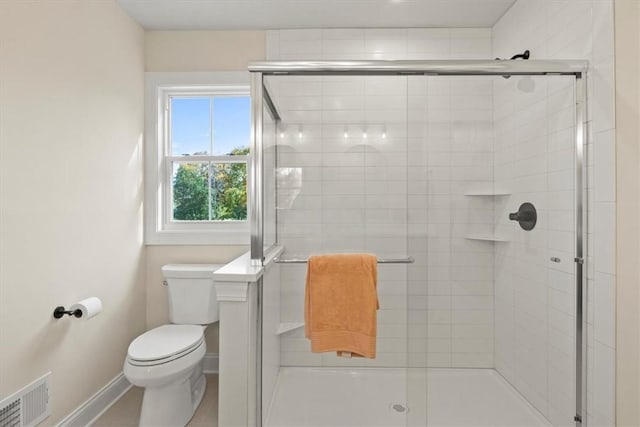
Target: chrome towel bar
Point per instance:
(407, 260)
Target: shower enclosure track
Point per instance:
(407, 260)
(260, 97)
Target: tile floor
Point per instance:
(391, 397)
(303, 396)
(126, 411)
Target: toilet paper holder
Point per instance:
(60, 311)
(85, 309)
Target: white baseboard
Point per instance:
(96, 405)
(211, 363)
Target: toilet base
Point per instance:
(174, 404)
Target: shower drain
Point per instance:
(399, 407)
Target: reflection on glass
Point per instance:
(289, 186)
(269, 150)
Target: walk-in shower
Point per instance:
(471, 189)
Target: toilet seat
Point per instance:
(164, 344)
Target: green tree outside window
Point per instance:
(228, 184)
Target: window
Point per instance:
(201, 140)
(207, 146)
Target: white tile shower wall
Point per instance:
(396, 191)
(342, 193)
(579, 29)
(363, 44)
(450, 153)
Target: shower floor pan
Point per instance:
(391, 397)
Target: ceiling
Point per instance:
(280, 14)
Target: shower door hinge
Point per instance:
(577, 419)
(579, 260)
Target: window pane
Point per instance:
(231, 125)
(190, 192)
(229, 191)
(190, 126)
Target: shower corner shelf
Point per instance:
(487, 238)
(487, 193)
(287, 327)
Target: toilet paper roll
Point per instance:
(88, 307)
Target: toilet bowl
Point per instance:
(167, 361)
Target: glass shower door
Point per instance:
(535, 283)
(491, 297)
(481, 328)
(341, 182)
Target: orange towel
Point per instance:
(340, 304)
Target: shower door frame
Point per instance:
(260, 98)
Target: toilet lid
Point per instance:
(165, 341)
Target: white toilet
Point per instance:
(167, 360)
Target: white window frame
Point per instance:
(159, 228)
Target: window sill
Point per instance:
(198, 237)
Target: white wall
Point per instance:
(577, 29)
(627, 23)
(193, 51)
(71, 112)
(202, 50)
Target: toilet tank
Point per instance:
(192, 294)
